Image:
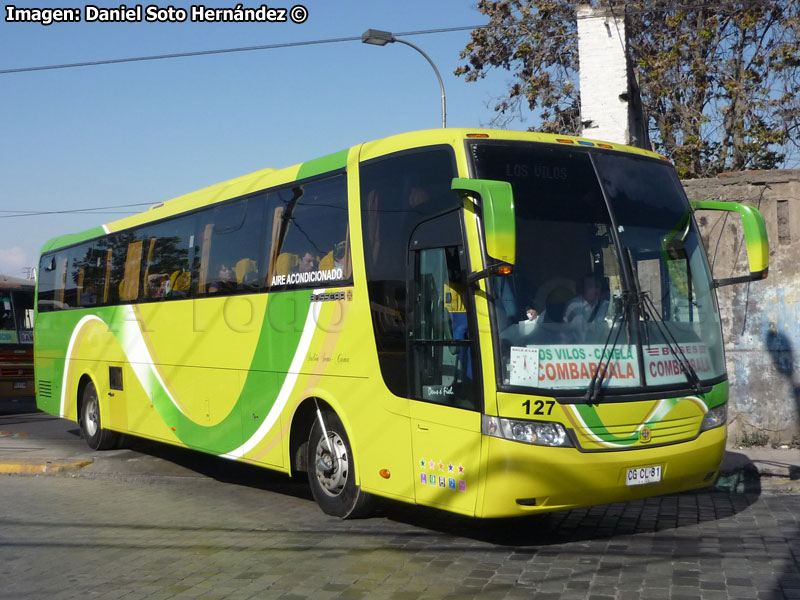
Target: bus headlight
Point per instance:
(539, 433)
(715, 417)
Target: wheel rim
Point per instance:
(331, 472)
(91, 418)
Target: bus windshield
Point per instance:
(16, 316)
(611, 287)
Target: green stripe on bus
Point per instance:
(278, 340)
(331, 162)
(73, 238)
(273, 355)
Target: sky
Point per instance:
(145, 132)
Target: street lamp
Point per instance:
(377, 37)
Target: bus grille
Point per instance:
(665, 432)
(16, 371)
(44, 388)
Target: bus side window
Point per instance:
(6, 315)
(311, 232)
(47, 283)
(73, 282)
(398, 193)
(230, 254)
(88, 273)
(169, 249)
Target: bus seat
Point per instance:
(285, 263)
(243, 268)
(327, 263)
(182, 281)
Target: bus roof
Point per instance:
(17, 283)
(269, 178)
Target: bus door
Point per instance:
(443, 375)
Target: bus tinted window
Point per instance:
(86, 268)
(47, 282)
(398, 193)
(230, 247)
(168, 252)
(310, 226)
(6, 313)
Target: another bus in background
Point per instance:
(16, 336)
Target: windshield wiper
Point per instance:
(672, 343)
(595, 386)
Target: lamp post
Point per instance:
(377, 37)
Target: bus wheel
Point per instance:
(331, 473)
(97, 437)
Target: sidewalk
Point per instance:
(760, 469)
(35, 443)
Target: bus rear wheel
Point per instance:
(331, 472)
(96, 437)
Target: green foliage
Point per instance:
(754, 439)
(719, 83)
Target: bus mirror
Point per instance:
(755, 235)
(496, 200)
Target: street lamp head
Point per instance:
(377, 37)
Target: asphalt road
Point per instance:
(153, 522)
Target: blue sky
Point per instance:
(149, 131)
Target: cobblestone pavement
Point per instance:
(69, 536)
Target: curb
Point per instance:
(37, 467)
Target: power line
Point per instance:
(64, 212)
(10, 214)
(114, 61)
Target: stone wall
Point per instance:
(761, 319)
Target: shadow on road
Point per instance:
(17, 406)
(734, 492)
(781, 351)
(596, 522)
(221, 469)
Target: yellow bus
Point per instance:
(492, 323)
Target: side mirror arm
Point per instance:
(755, 235)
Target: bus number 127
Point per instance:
(538, 407)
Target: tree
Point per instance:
(719, 80)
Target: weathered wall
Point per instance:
(761, 320)
(603, 75)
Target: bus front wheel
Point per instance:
(331, 473)
(94, 434)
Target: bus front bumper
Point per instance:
(523, 479)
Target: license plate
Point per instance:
(643, 475)
(20, 385)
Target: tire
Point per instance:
(332, 480)
(96, 437)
